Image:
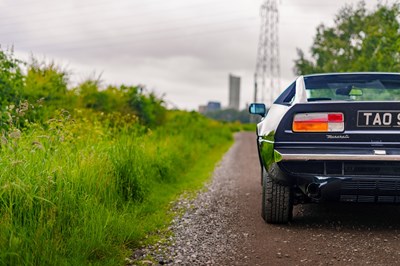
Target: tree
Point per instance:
(147, 106)
(109, 100)
(11, 78)
(360, 40)
(45, 80)
(229, 115)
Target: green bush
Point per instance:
(11, 78)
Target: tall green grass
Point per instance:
(79, 191)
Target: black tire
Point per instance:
(277, 200)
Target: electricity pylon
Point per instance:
(267, 73)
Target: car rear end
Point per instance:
(353, 160)
(330, 137)
(342, 150)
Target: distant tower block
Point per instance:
(234, 92)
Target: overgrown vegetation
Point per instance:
(87, 173)
(230, 115)
(360, 40)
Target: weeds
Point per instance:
(72, 193)
(87, 173)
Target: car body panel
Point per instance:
(360, 164)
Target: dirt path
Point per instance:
(223, 226)
(334, 234)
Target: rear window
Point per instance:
(353, 87)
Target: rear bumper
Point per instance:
(354, 189)
(349, 173)
(339, 155)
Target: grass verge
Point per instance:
(79, 191)
(156, 212)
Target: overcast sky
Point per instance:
(183, 49)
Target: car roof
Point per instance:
(351, 73)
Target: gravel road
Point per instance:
(223, 226)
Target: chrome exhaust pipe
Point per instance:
(313, 190)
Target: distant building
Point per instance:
(210, 107)
(234, 92)
(202, 109)
(213, 106)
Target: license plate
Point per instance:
(383, 119)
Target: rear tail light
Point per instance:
(318, 122)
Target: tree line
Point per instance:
(46, 85)
(359, 40)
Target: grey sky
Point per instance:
(184, 49)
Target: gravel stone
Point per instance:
(201, 235)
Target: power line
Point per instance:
(156, 41)
(139, 35)
(126, 25)
(78, 13)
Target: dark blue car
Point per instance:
(330, 137)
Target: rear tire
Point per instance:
(277, 200)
